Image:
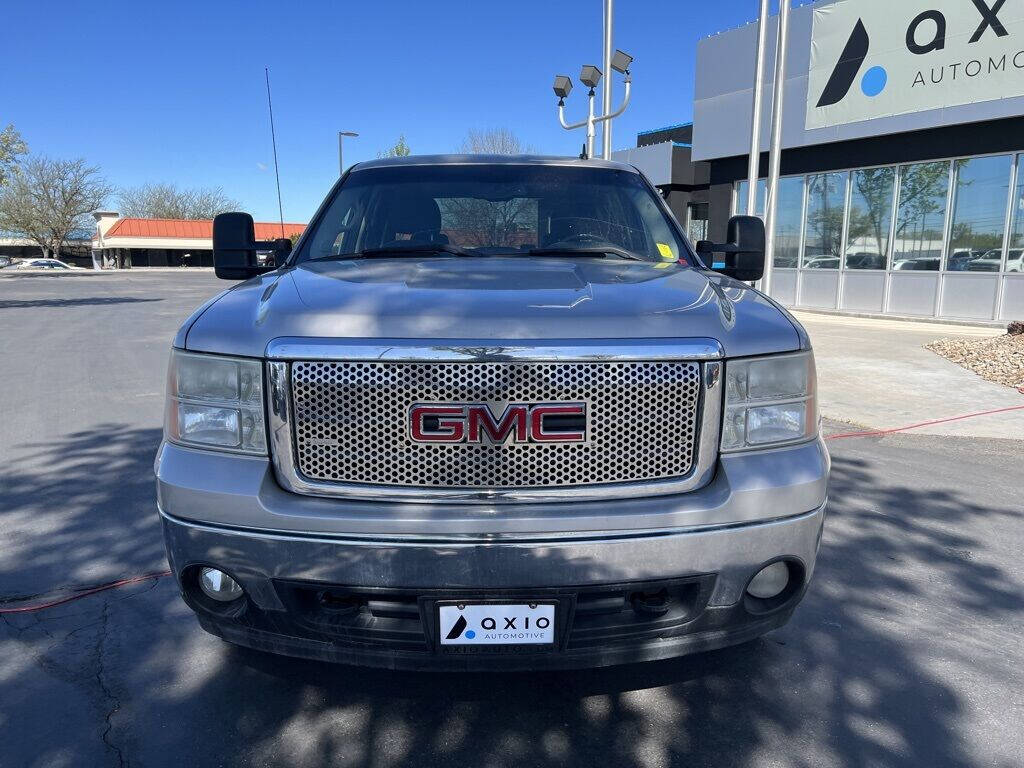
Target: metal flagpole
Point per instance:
(775, 153)
(754, 166)
(606, 95)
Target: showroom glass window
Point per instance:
(921, 217)
(788, 222)
(1015, 256)
(788, 216)
(826, 201)
(741, 197)
(979, 214)
(871, 193)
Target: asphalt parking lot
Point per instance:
(907, 651)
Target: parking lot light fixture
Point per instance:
(590, 76)
(562, 87)
(621, 61)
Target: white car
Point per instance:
(41, 264)
(1015, 260)
(822, 262)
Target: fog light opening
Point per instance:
(770, 581)
(217, 585)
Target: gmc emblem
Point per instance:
(475, 423)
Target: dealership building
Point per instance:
(902, 189)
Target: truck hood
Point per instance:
(513, 299)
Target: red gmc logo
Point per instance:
(475, 423)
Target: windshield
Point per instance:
(490, 210)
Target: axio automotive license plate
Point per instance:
(497, 624)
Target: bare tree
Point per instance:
(11, 147)
(167, 201)
(400, 149)
(494, 141)
(45, 200)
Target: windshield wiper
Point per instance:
(599, 251)
(398, 250)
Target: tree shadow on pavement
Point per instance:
(79, 512)
(81, 302)
(856, 678)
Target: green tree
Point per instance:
(494, 141)
(12, 146)
(400, 149)
(167, 201)
(45, 200)
(875, 189)
(922, 205)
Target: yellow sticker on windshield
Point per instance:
(666, 251)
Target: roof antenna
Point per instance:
(273, 139)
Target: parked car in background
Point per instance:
(40, 264)
(1015, 261)
(925, 264)
(865, 260)
(822, 262)
(5, 261)
(960, 261)
(990, 261)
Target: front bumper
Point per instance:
(388, 563)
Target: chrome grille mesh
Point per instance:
(352, 422)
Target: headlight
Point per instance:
(215, 402)
(769, 401)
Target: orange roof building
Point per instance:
(125, 241)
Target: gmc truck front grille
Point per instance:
(352, 423)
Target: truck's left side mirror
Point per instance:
(743, 253)
(234, 247)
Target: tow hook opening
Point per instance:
(338, 603)
(652, 603)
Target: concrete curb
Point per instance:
(1000, 324)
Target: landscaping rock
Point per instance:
(999, 359)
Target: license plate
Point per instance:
(497, 624)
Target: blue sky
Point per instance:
(175, 92)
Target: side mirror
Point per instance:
(235, 246)
(744, 251)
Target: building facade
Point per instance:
(122, 242)
(902, 188)
(665, 155)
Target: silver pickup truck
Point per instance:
(491, 413)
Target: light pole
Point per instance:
(341, 136)
(754, 165)
(606, 62)
(590, 76)
(775, 152)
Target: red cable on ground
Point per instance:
(879, 432)
(85, 593)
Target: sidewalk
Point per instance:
(877, 374)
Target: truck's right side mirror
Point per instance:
(234, 247)
(744, 251)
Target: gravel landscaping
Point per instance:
(999, 359)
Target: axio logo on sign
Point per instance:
(877, 58)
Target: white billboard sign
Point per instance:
(878, 58)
